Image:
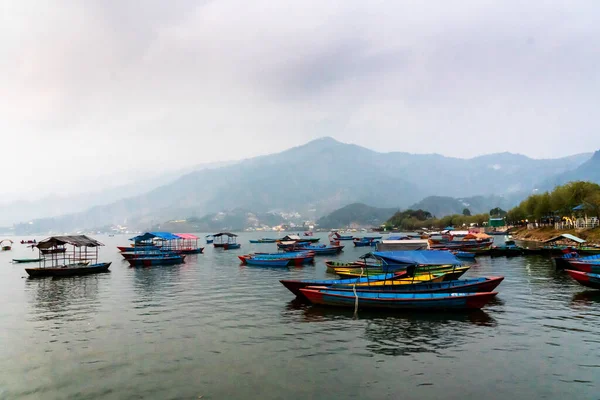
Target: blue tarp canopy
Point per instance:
(449, 228)
(155, 235)
(418, 257)
(580, 207)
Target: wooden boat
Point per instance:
(373, 270)
(485, 284)
(209, 239)
(447, 275)
(26, 260)
(398, 301)
(318, 250)
(590, 265)
(472, 285)
(332, 265)
(69, 270)
(562, 262)
(365, 242)
(149, 261)
(6, 244)
(267, 262)
(186, 244)
(225, 241)
(509, 249)
(587, 279)
(337, 236)
(273, 260)
(464, 255)
(56, 261)
(263, 240)
(197, 250)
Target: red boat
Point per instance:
(585, 278)
(585, 266)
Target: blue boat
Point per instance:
(365, 242)
(471, 285)
(323, 250)
(397, 301)
(464, 254)
(156, 260)
(209, 239)
(268, 262)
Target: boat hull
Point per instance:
(586, 279)
(26, 260)
(398, 301)
(585, 266)
(68, 271)
(151, 261)
(458, 286)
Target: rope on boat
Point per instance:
(355, 294)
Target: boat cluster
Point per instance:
(413, 279)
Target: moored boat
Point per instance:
(6, 244)
(226, 241)
(26, 260)
(262, 240)
(149, 261)
(586, 279)
(589, 265)
(69, 270)
(398, 301)
(57, 261)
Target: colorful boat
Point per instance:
(590, 265)
(318, 250)
(56, 261)
(337, 236)
(587, 279)
(397, 301)
(472, 285)
(26, 260)
(277, 260)
(187, 244)
(375, 270)
(149, 261)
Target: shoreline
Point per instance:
(591, 236)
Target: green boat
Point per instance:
(25, 260)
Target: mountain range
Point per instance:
(324, 175)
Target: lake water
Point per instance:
(215, 329)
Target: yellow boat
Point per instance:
(438, 269)
(405, 281)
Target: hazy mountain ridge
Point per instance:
(321, 176)
(356, 215)
(59, 205)
(440, 206)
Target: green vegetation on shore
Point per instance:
(416, 219)
(558, 204)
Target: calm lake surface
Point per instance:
(215, 329)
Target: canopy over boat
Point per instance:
(417, 257)
(566, 236)
(155, 235)
(187, 236)
(77, 241)
(6, 240)
(224, 234)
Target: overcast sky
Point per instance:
(96, 88)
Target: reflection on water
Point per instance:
(68, 298)
(396, 334)
(214, 329)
